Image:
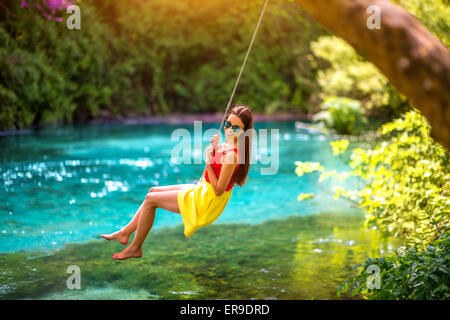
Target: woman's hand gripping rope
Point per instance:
(211, 150)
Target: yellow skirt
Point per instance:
(200, 206)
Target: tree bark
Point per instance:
(415, 61)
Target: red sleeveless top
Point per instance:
(217, 167)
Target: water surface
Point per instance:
(67, 185)
(62, 187)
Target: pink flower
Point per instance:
(53, 5)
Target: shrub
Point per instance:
(348, 74)
(153, 57)
(407, 194)
(344, 115)
(410, 273)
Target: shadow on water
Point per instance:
(292, 258)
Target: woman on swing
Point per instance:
(202, 203)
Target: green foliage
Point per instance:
(408, 180)
(407, 195)
(346, 73)
(407, 190)
(193, 51)
(306, 167)
(44, 96)
(304, 196)
(339, 146)
(50, 74)
(349, 75)
(434, 14)
(342, 114)
(152, 57)
(410, 273)
(159, 56)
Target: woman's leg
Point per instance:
(123, 234)
(166, 200)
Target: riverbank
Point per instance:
(181, 118)
(106, 119)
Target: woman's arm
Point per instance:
(220, 183)
(203, 174)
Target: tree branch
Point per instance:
(415, 61)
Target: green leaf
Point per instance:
(339, 146)
(327, 174)
(304, 196)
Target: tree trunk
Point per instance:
(415, 61)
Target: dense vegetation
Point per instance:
(406, 175)
(160, 57)
(409, 273)
(406, 194)
(152, 57)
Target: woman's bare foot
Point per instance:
(118, 236)
(129, 252)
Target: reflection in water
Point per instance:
(328, 260)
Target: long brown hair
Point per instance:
(244, 113)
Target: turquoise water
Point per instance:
(61, 188)
(68, 185)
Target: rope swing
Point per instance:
(243, 65)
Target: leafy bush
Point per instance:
(342, 114)
(410, 273)
(53, 74)
(407, 194)
(152, 57)
(407, 190)
(44, 100)
(348, 74)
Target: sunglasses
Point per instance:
(236, 129)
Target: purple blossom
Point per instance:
(53, 5)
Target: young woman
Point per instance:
(202, 203)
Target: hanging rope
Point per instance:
(243, 65)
